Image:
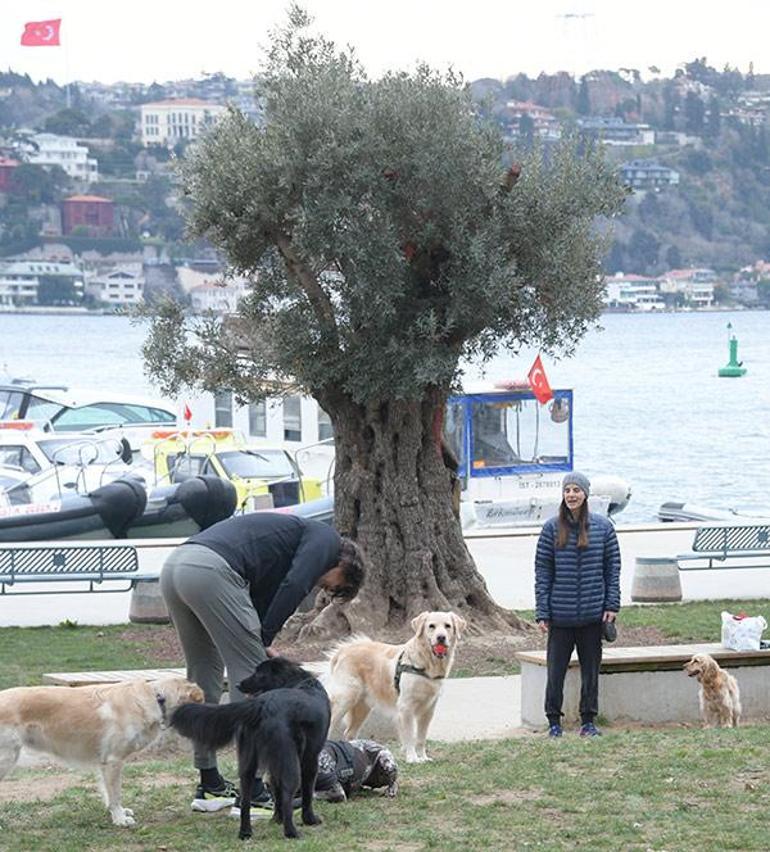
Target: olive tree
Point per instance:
(387, 242)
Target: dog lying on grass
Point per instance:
(345, 768)
(720, 700)
(97, 725)
(405, 678)
(279, 733)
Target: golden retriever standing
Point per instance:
(97, 725)
(401, 679)
(720, 700)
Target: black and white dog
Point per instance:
(345, 768)
(281, 733)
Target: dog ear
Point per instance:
(418, 622)
(459, 624)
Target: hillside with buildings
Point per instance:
(89, 213)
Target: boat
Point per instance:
(57, 486)
(512, 453)
(106, 512)
(675, 512)
(262, 476)
(59, 408)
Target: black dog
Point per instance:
(281, 733)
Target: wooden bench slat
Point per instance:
(658, 656)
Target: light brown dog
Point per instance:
(90, 726)
(720, 700)
(401, 679)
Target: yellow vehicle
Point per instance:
(260, 474)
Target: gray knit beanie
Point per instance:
(575, 477)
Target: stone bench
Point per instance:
(646, 684)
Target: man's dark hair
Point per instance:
(352, 562)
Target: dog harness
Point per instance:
(402, 668)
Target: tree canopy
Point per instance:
(385, 235)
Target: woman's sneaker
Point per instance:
(555, 731)
(210, 799)
(589, 730)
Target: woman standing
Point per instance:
(577, 589)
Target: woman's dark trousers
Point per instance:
(561, 641)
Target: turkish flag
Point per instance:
(187, 414)
(539, 383)
(41, 33)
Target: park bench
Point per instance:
(714, 545)
(646, 684)
(94, 565)
(120, 676)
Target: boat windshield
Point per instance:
(493, 433)
(67, 451)
(256, 464)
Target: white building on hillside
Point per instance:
(20, 279)
(221, 297)
(697, 285)
(65, 152)
(123, 285)
(171, 121)
(632, 293)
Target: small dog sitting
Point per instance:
(345, 768)
(720, 700)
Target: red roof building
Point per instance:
(88, 214)
(7, 168)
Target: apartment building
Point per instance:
(65, 152)
(171, 121)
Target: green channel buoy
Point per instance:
(734, 368)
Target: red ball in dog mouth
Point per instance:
(440, 650)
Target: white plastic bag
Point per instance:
(742, 633)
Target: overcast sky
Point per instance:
(146, 40)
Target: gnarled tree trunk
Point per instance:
(393, 494)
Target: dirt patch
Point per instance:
(40, 788)
(506, 797)
(161, 644)
(477, 656)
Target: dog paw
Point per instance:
(244, 835)
(124, 819)
(311, 819)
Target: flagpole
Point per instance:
(67, 72)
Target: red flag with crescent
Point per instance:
(41, 33)
(539, 382)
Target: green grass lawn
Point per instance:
(674, 789)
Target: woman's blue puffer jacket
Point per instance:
(574, 586)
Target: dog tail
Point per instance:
(212, 725)
(332, 653)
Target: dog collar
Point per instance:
(402, 668)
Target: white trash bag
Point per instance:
(742, 632)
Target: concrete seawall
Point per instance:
(505, 558)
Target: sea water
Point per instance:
(648, 405)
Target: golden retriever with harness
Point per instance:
(404, 680)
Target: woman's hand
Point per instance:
(271, 652)
(543, 625)
(609, 615)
